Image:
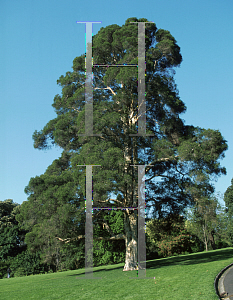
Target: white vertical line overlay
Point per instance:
(141, 223)
(89, 225)
(141, 81)
(89, 81)
(141, 168)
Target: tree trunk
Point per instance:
(57, 258)
(205, 239)
(130, 197)
(131, 241)
(131, 216)
(206, 246)
(212, 241)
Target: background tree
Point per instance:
(177, 151)
(228, 199)
(169, 235)
(205, 221)
(222, 239)
(11, 237)
(13, 250)
(51, 212)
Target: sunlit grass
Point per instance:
(181, 277)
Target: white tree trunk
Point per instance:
(131, 241)
(131, 255)
(205, 239)
(130, 199)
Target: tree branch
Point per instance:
(115, 200)
(105, 225)
(115, 237)
(107, 88)
(151, 177)
(161, 159)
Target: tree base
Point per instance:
(130, 268)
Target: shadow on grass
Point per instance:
(190, 259)
(197, 258)
(100, 270)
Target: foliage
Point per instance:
(169, 235)
(223, 239)
(73, 255)
(3, 268)
(11, 235)
(13, 250)
(188, 177)
(208, 221)
(51, 211)
(108, 252)
(228, 198)
(25, 264)
(47, 216)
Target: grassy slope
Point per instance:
(182, 277)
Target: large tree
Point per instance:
(179, 153)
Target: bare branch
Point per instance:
(106, 201)
(157, 175)
(114, 237)
(107, 88)
(162, 159)
(179, 171)
(69, 239)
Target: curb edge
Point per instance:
(216, 281)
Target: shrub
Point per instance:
(3, 269)
(20, 272)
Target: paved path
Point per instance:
(226, 284)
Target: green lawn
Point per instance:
(181, 277)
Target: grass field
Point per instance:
(181, 277)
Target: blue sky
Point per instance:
(40, 39)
